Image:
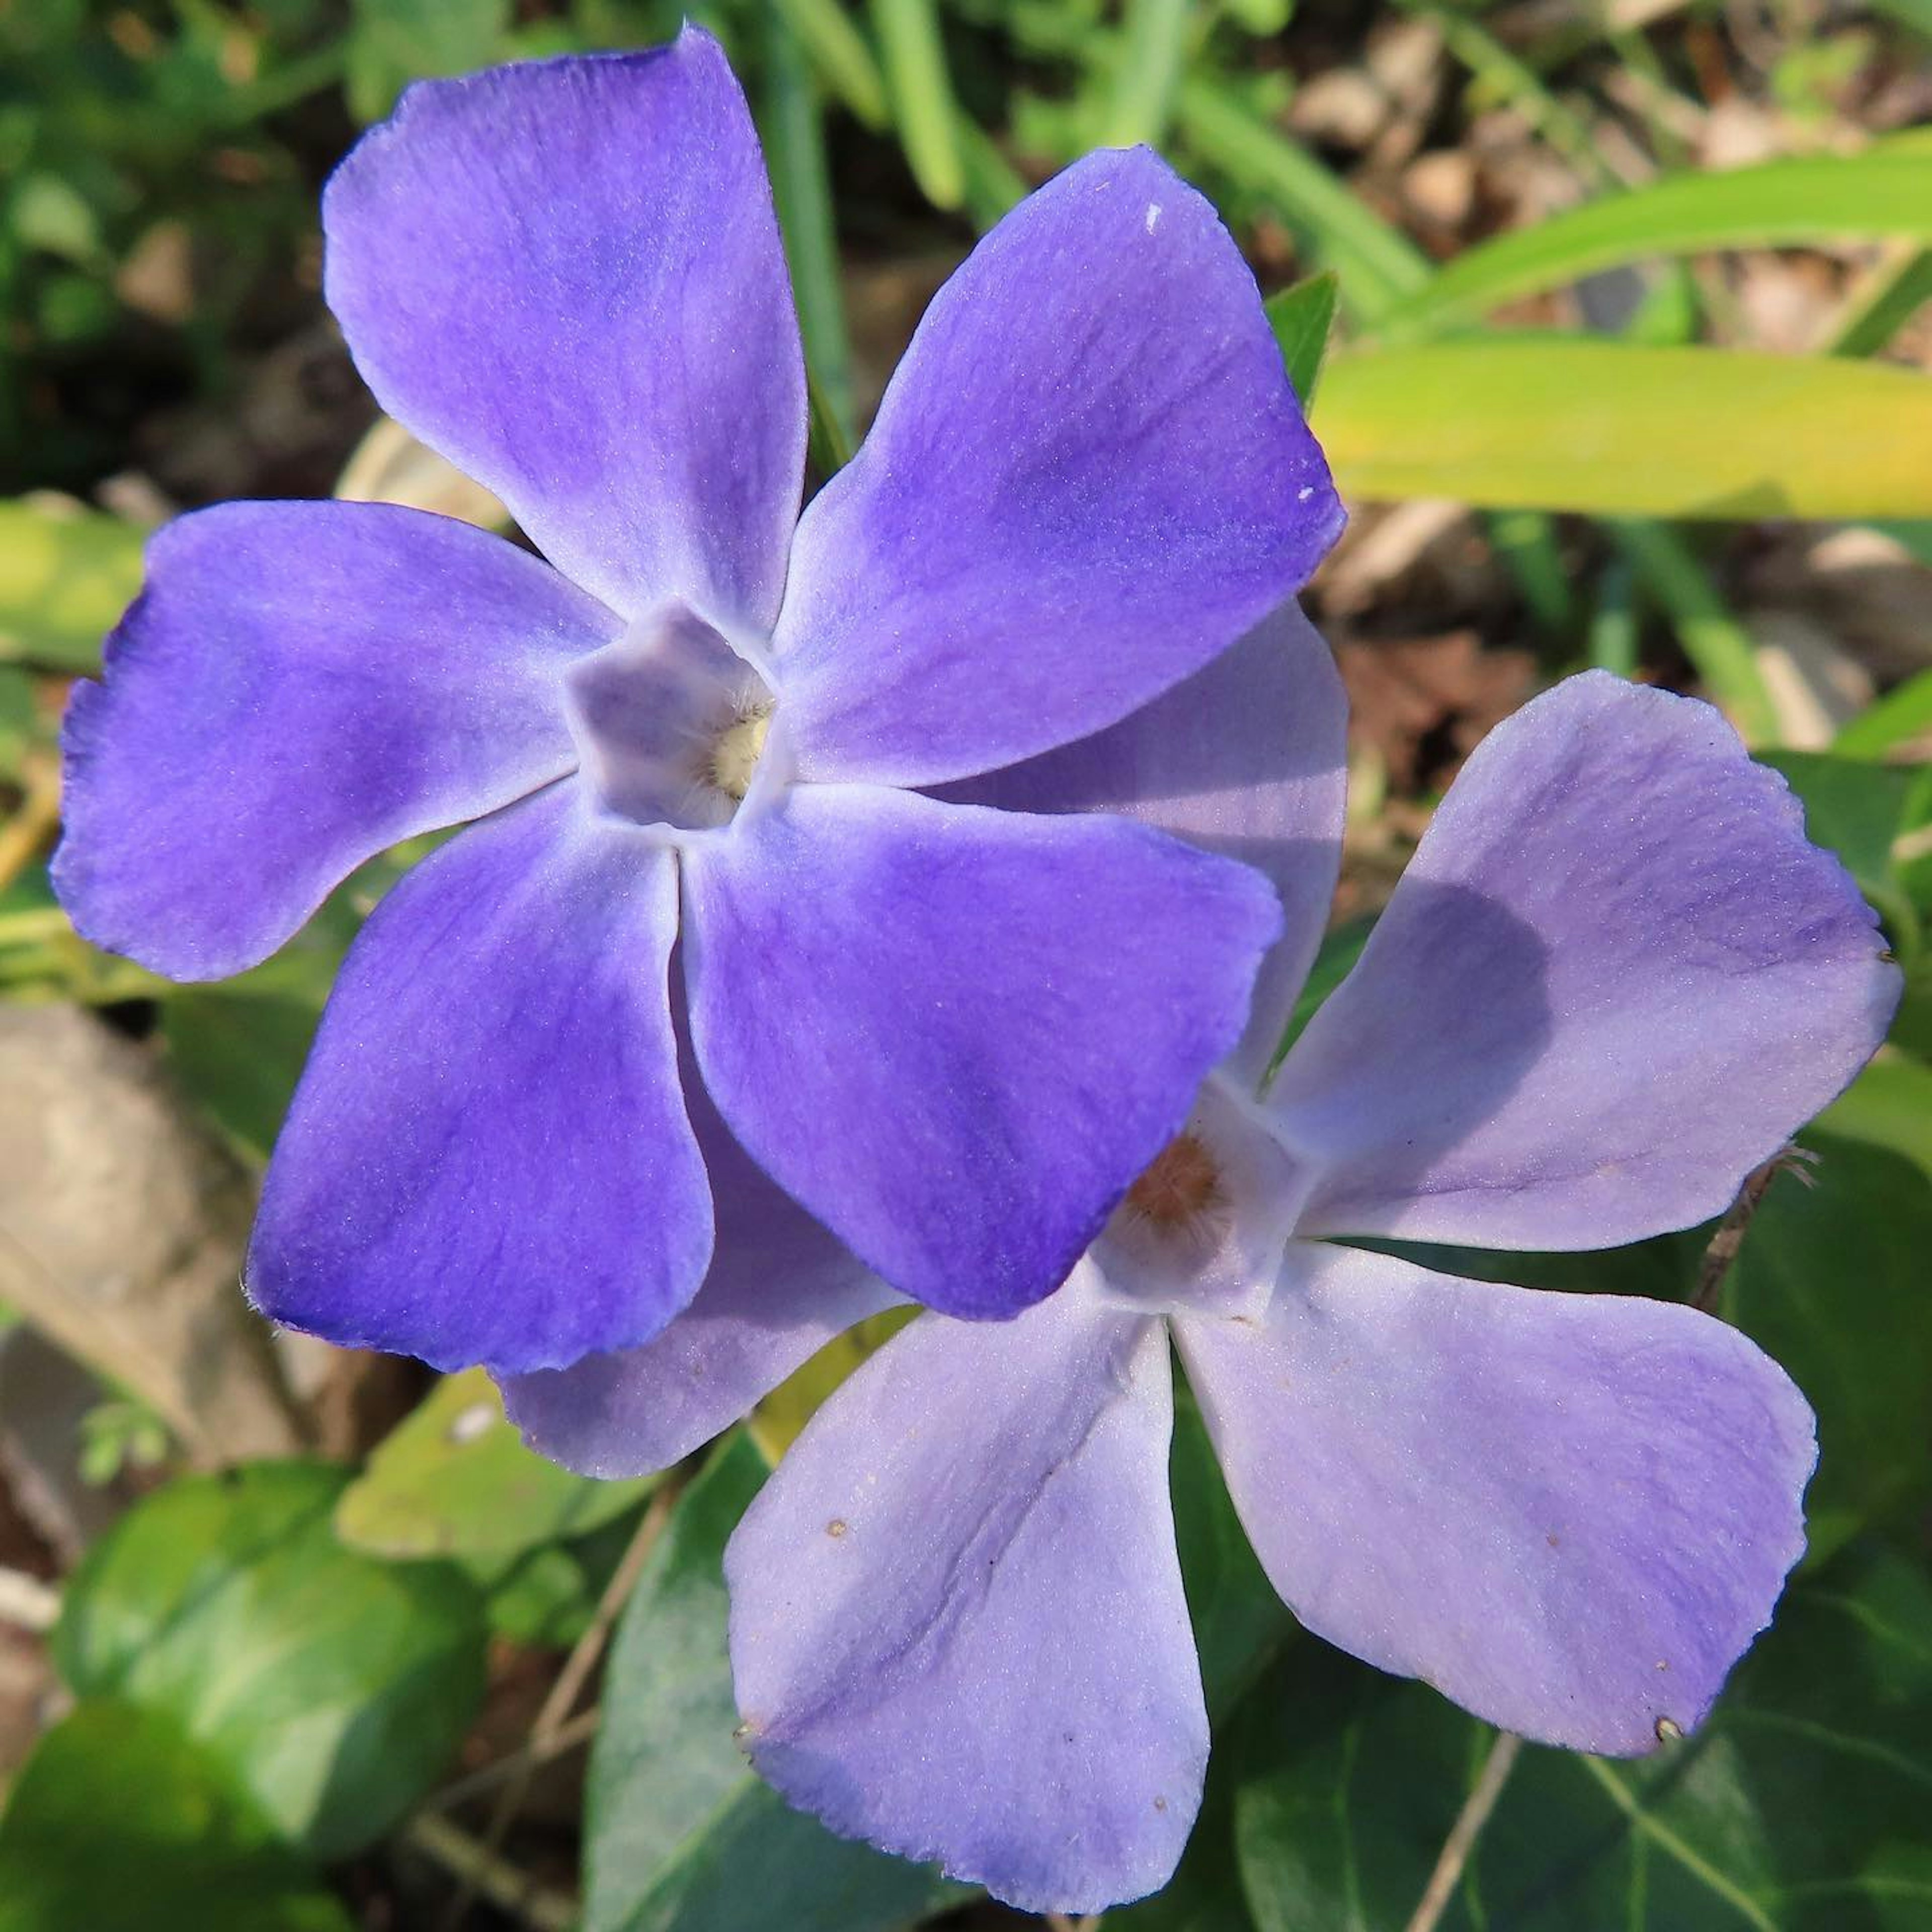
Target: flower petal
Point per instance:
(298, 686)
(1089, 475)
(957, 1035)
(1569, 1512)
(1248, 757)
(957, 1623)
(566, 277)
(1614, 980)
(780, 1287)
(488, 1159)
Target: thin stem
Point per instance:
(555, 1713)
(1464, 1833)
(1730, 1235)
(529, 1757)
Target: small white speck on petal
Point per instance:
(1152, 216)
(1306, 491)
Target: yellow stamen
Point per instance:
(735, 756)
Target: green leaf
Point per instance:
(775, 1422)
(393, 42)
(1720, 649)
(1301, 318)
(1854, 807)
(1831, 1282)
(1153, 51)
(240, 1054)
(1889, 1105)
(1900, 715)
(332, 1686)
(119, 1824)
(1799, 1807)
(66, 575)
(914, 54)
(1239, 1621)
(1865, 197)
(1619, 429)
(1377, 264)
(681, 1835)
(454, 1479)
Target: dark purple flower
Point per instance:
(954, 1033)
(1614, 980)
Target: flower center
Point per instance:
(672, 727)
(1179, 1187)
(734, 757)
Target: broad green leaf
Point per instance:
(240, 1054)
(1239, 1621)
(1799, 1807)
(66, 575)
(1301, 317)
(119, 1823)
(1889, 1105)
(1619, 429)
(681, 1836)
(1864, 197)
(332, 1686)
(1854, 807)
(1831, 1282)
(454, 1479)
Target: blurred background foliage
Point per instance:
(1613, 316)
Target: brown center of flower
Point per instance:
(1181, 1185)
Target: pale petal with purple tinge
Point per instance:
(488, 1158)
(1569, 1512)
(1248, 757)
(298, 686)
(958, 1629)
(1615, 977)
(566, 277)
(780, 1287)
(1089, 476)
(941, 1028)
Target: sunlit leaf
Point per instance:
(332, 1686)
(1813, 198)
(119, 1823)
(66, 575)
(1622, 429)
(454, 1479)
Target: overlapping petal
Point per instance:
(488, 1158)
(779, 1289)
(1615, 978)
(1570, 1513)
(566, 276)
(957, 1623)
(1248, 757)
(298, 686)
(1088, 476)
(956, 1035)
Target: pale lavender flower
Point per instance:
(1615, 978)
(954, 1033)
